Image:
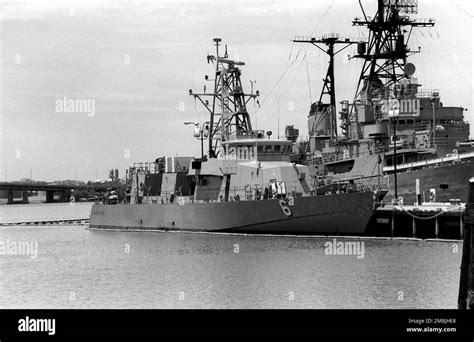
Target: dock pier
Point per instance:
(466, 283)
(424, 221)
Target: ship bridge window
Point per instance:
(268, 148)
(259, 148)
(277, 148)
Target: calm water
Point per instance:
(44, 212)
(79, 268)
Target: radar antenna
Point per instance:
(229, 118)
(320, 108)
(385, 54)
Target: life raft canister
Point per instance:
(281, 188)
(273, 187)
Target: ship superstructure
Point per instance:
(392, 122)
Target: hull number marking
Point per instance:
(286, 210)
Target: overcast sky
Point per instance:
(137, 59)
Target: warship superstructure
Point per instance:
(394, 133)
(244, 182)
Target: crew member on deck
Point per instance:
(351, 187)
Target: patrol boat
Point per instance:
(245, 182)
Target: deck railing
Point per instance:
(457, 157)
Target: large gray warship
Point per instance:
(393, 131)
(245, 182)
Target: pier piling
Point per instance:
(393, 221)
(466, 283)
(418, 192)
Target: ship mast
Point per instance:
(229, 118)
(386, 53)
(329, 40)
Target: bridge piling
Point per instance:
(10, 197)
(49, 196)
(65, 196)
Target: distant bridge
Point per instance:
(51, 189)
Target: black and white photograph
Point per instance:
(227, 160)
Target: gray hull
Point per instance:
(327, 214)
(455, 176)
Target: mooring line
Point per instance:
(427, 217)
